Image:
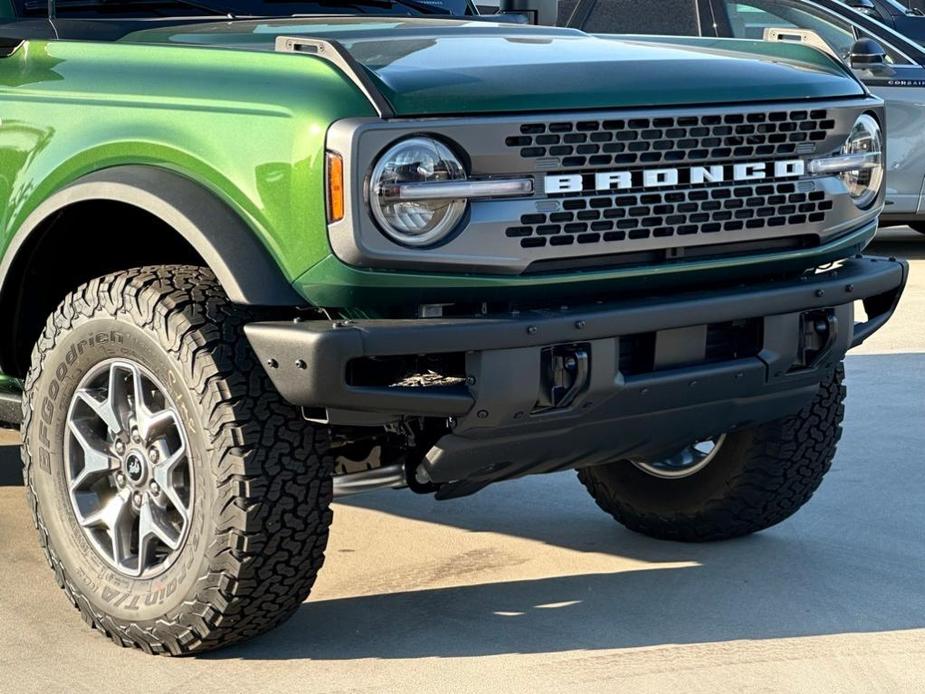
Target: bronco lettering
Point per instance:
(555, 184)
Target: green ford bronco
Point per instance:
(252, 262)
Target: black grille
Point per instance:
(615, 217)
(673, 139)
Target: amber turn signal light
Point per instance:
(335, 171)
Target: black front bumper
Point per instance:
(498, 429)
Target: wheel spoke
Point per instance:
(109, 513)
(151, 426)
(163, 475)
(117, 518)
(153, 525)
(96, 458)
(118, 394)
(103, 409)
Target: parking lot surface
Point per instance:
(527, 586)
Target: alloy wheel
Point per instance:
(688, 461)
(128, 470)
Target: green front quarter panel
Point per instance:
(249, 126)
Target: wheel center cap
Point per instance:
(136, 468)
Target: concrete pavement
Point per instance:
(528, 587)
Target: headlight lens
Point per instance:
(415, 222)
(865, 138)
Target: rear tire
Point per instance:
(255, 480)
(757, 478)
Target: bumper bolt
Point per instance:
(849, 288)
(580, 324)
(300, 364)
(820, 292)
(531, 330)
(470, 380)
(272, 363)
(482, 414)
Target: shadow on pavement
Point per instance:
(851, 561)
(10, 466)
(762, 588)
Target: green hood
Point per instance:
(434, 66)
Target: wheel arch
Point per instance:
(194, 225)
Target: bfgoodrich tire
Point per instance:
(181, 504)
(757, 478)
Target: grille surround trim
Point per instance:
(481, 244)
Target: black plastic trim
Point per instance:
(308, 361)
(229, 246)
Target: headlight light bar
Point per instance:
(470, 190)
(846, 162)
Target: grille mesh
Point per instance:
(673, 139)
(618, 217)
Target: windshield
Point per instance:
(240, 8)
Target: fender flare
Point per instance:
(228, 245)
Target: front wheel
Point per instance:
(734, 485)
(181, 503)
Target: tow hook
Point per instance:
(565, 370)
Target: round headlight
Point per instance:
(415, 220)
(865, 138)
